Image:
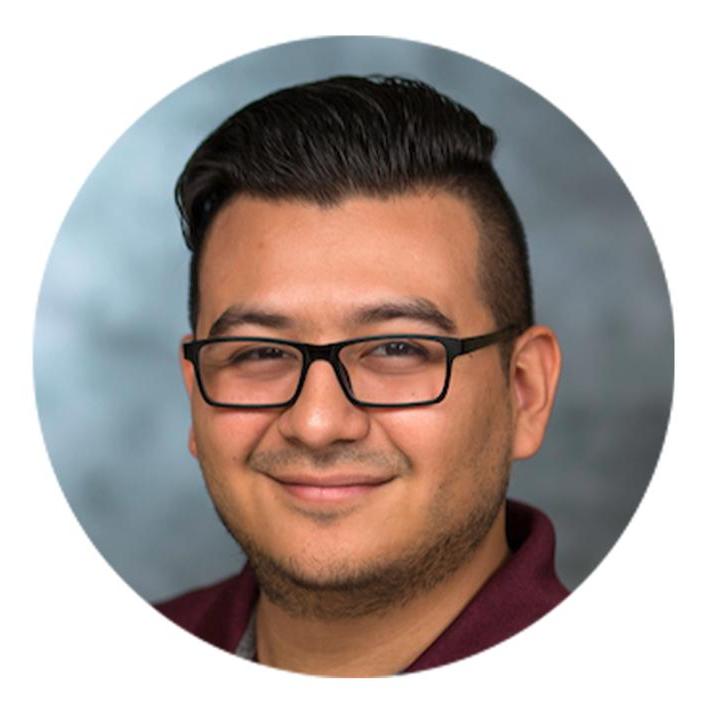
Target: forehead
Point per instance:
(317, 263)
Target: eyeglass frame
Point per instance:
(329, 351)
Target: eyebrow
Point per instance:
(237, 315)
(419, 309)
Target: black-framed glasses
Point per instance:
(400, 370)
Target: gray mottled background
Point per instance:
(113, 308)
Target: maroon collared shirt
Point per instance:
(525, 588)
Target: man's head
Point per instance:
(345, 209)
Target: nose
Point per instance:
(322, 415)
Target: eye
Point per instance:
(398, 356)
(398, 348)
(263, 353)
(241, 359)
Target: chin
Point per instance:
(326, 565)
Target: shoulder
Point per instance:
(217, 613)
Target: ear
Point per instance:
(188, 378)
(534, 372)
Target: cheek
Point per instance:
(435, 439)
(225, 438)
(442, 431)
(452, 445)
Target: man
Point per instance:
(363, 368)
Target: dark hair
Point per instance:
(345, 136)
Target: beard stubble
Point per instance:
(436, 554)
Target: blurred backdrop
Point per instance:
(113, 307)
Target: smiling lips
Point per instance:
(330, 489)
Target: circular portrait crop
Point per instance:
(367, 357)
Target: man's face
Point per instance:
(416, 475)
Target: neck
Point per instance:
(378, 644)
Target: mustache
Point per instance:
(395, 462)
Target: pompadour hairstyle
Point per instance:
(376, 136)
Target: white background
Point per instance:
(76, 75)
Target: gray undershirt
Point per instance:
(247, 643)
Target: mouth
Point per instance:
(332, 488)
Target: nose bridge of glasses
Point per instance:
(320, 352)
(330, 354)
